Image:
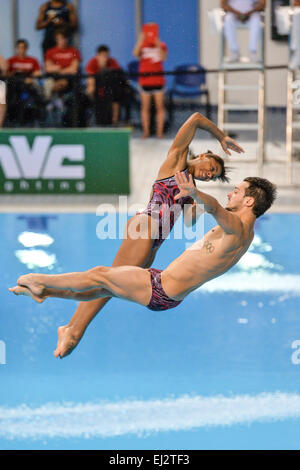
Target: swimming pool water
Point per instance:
(220, 371)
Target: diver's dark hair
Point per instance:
(264, 193)
(224, 169)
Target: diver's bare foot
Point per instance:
(67, 341)
(145, 135)
(33, 283)
(21, 290)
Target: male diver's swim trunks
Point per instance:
(160, 205)
(159, 299)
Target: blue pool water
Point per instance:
(221, 371)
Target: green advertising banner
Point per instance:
(73, 161)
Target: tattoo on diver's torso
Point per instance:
(209, 247)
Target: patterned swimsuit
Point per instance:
(159, 300)
(158, 208)
(163, 208)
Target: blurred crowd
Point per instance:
(64, 92)
(53, 93)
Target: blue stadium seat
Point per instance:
(189, 85)
(132, 68)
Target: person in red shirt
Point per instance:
(23, 64)
(151, 60)
(62, 59)
(101, 62)
(24, 96)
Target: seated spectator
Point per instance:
(23, 93)
(295, 37)
(21, 63)
(62, 59)
(69, 108)
(109, 92)
(242, 11)
(53, 15)
(3, 70)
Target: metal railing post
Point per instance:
(14, 21)
(138, 17)
(289, 126)
(261, 122)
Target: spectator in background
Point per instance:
(53, 15)
(109, 87)
(151, 55)
(295, 37)
(62, 59)
(3, 70)
(243, 11)
(66, 104)
(23, 64)
(23, 94)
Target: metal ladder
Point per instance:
(259, 87)
(292, 125)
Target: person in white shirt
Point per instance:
(3, 70)
(242, 11)
(295, 37)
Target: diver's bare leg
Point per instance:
(128, 282)
(69, 335)
(132, 252)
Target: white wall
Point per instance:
(27, 15)
(6, 33)
(100, 21)
(276, 54)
